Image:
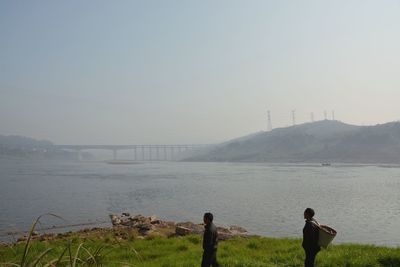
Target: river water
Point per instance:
(361, 202)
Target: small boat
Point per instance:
(325, 164)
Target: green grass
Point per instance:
(109, 249)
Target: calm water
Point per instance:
(361, 202)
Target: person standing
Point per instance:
(310, 238)
(210, 242)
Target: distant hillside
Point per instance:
(14, 146)
(22, 142)
(322, 141)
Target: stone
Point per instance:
(223, 230)
(115, 219)
(144, 226)
(182, 230)
(168, 223)
(237, 229)
(154, 219)
(153, 225)
(48, 236)
(138, 217)
(125, 222)
(22, 238)
(185, 228)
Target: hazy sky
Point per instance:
(130, 72)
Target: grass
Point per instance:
(106, 248)
(123, 247)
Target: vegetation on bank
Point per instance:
(107, 247)
(315, 142)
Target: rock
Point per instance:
(48, 236)
(182, 230)
(115, 219)
(137, 221)
(170, 223)
(224, 233)
(138, 217)
(125, 222)
(22, 238)
(222, 230)
(144, 226)
(238, 229)
(153, 225)
(186, 228)
(154, 219)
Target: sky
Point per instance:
(193, 72)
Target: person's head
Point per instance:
(208, 218)
(309, 213)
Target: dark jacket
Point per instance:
(310, 236)
(210, 238)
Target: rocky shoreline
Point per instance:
(151, 225)
(127, 226)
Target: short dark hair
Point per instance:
(208, 216)
(310, 212)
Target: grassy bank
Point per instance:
(116, 248)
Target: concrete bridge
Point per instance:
(140, 152)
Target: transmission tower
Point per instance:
(312, 116)
(333, 115)
(269, 121)
(293, 117)
(325, 115)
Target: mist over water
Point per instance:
(360, 201)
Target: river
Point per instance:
(362, 202)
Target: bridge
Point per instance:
(140, 152)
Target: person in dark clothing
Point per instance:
(310, 238)
(210, 242)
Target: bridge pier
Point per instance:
(79, 154)
(150, 153)
(115, 152)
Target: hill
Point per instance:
(22, 142)
(322, 141)
(14, 146)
